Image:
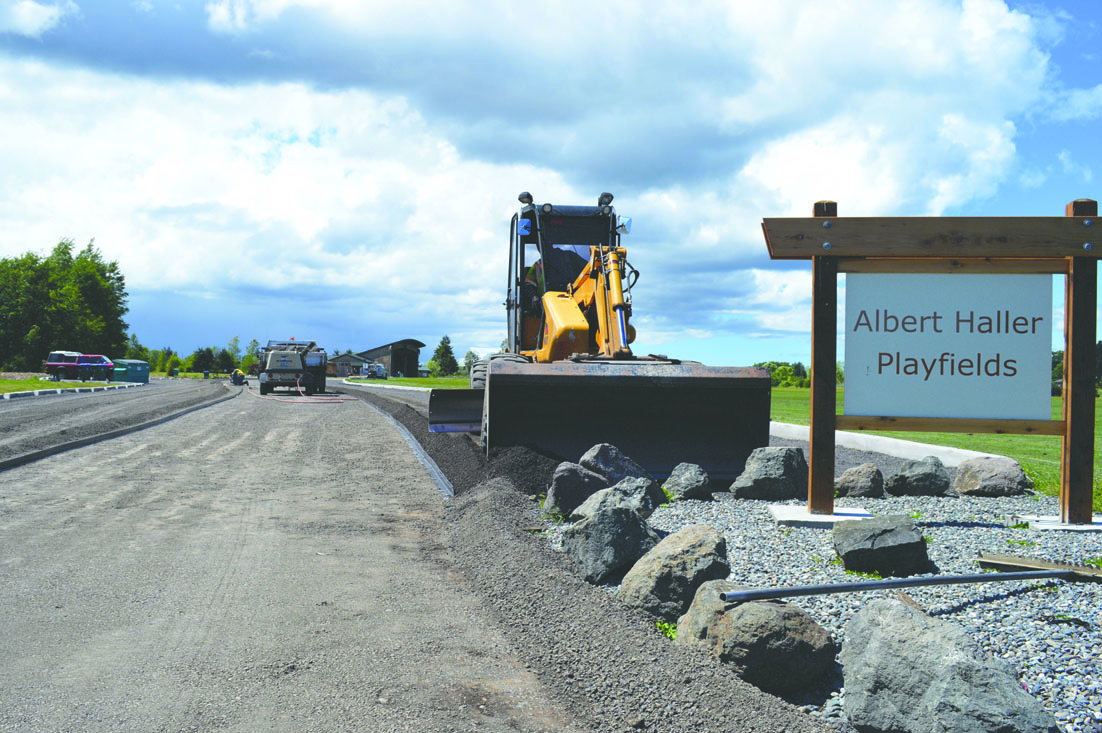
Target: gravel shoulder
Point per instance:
(37, 423)
(610, 664)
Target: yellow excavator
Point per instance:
(568, 378)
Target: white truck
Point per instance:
(292, 365)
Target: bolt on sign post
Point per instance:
(948, 328)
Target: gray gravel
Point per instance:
(1051, 632)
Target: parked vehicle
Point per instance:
(374, 370)
(62, 364)
(292, 365)
(95, 367)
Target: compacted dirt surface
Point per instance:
(271, 565)
(31, 424)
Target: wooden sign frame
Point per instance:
(1064, 245)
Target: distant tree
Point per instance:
(504, 345)
(135, 350)
(60, 301)
(174, 362)
(468, 361)
(840, 372)
(201, 360)
(783, 374)
(224, 363)
(433, 367)
(444, 357)
(249, 358)
(233, 348)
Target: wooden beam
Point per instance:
(922, 236)
(1077, 453)
(950, 425)
(889, 265)
(824, 384)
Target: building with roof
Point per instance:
(400, 358)
(346, 365)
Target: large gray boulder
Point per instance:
(775, 646)
(571, 484)
(664, 581)
(991, 476)
(864, 481)
(607, 544)
(926, 477)
(773, 473)
(643, 495)
(689, 481)
(904, 671)
(607, 460)
(890, 545)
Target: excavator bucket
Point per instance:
(455, 410)
(659, 414)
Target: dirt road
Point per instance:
(251, 566)
(259, 565)
(31, 424)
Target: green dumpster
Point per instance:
(131, 370)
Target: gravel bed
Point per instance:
(1051, 632)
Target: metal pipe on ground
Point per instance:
(764, 594)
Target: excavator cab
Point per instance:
(550, 247)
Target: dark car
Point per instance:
(95, 367)
(62, 364)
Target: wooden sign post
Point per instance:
(1069, 245)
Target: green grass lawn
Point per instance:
(191, 375)
(27, 385)
(1039, 455)
(429, 382)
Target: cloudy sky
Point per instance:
(345, 170)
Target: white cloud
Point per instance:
(32, 19)
(1072, 168)
(1078, 104)
(333, 189)
(722, 114)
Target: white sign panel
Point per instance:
(972, 346)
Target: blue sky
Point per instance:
(345, 171)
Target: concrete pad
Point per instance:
(798, 516)
(1048, 523)
(951, 457)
